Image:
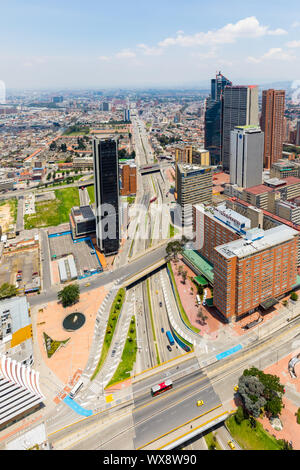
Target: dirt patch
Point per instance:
(6, 217)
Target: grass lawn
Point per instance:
(172, 231)
(251, 439)
(51, 345)
(128, 356)
(13, 208)
(130, 199)
(110, 329)
(209, 438)
(181, 309)
(56, 212)
(91, 191)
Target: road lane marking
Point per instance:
(178, 427)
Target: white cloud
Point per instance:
(210, 54)
(150, 50)
(126, 54)
(296, 24)
(245, 28)
(293, 44)
(275, 53)
(105, 58)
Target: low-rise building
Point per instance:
(82, 221)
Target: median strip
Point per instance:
(111, 326)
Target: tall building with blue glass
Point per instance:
(213, 118)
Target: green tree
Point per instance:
(239, 415)
(174, 249)
(69, 295)
(259, 390)
(52, 146)
(298, 416)
(63, 148)
(7, 291)
(294, 296)
(285, 445)
(184, 276)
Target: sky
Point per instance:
(139, 43)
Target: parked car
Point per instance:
(169, 348)
(162, 330)
(113, 353)
(160, 304)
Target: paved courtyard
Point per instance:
(213, 325)
(74, 355)
(291, 400)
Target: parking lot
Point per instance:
(86, 260)
(26, 261)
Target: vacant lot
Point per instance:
(8, 214)
(56, 212)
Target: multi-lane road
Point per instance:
(146, 418)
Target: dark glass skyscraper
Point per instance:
(106, 171)
(213, 118)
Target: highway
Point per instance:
(161, 320)
(121, 274)
(214, 384)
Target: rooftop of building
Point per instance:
(284, 164)
(259, 189)
(189, 168)
(265, 240)
(226, 217)
(249, 128)
(267, 213)
(15, 308)
(82, 213)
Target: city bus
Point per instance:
(160, 388)
(75, 389)
(170, 338)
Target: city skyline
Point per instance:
(68, 46)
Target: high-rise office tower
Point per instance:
(194, 186)
(298, 133)
(272, 124)
(106, 172)
(105, 106)
(213, 118)
(240, 108)
(126, 115)
(246, 156)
